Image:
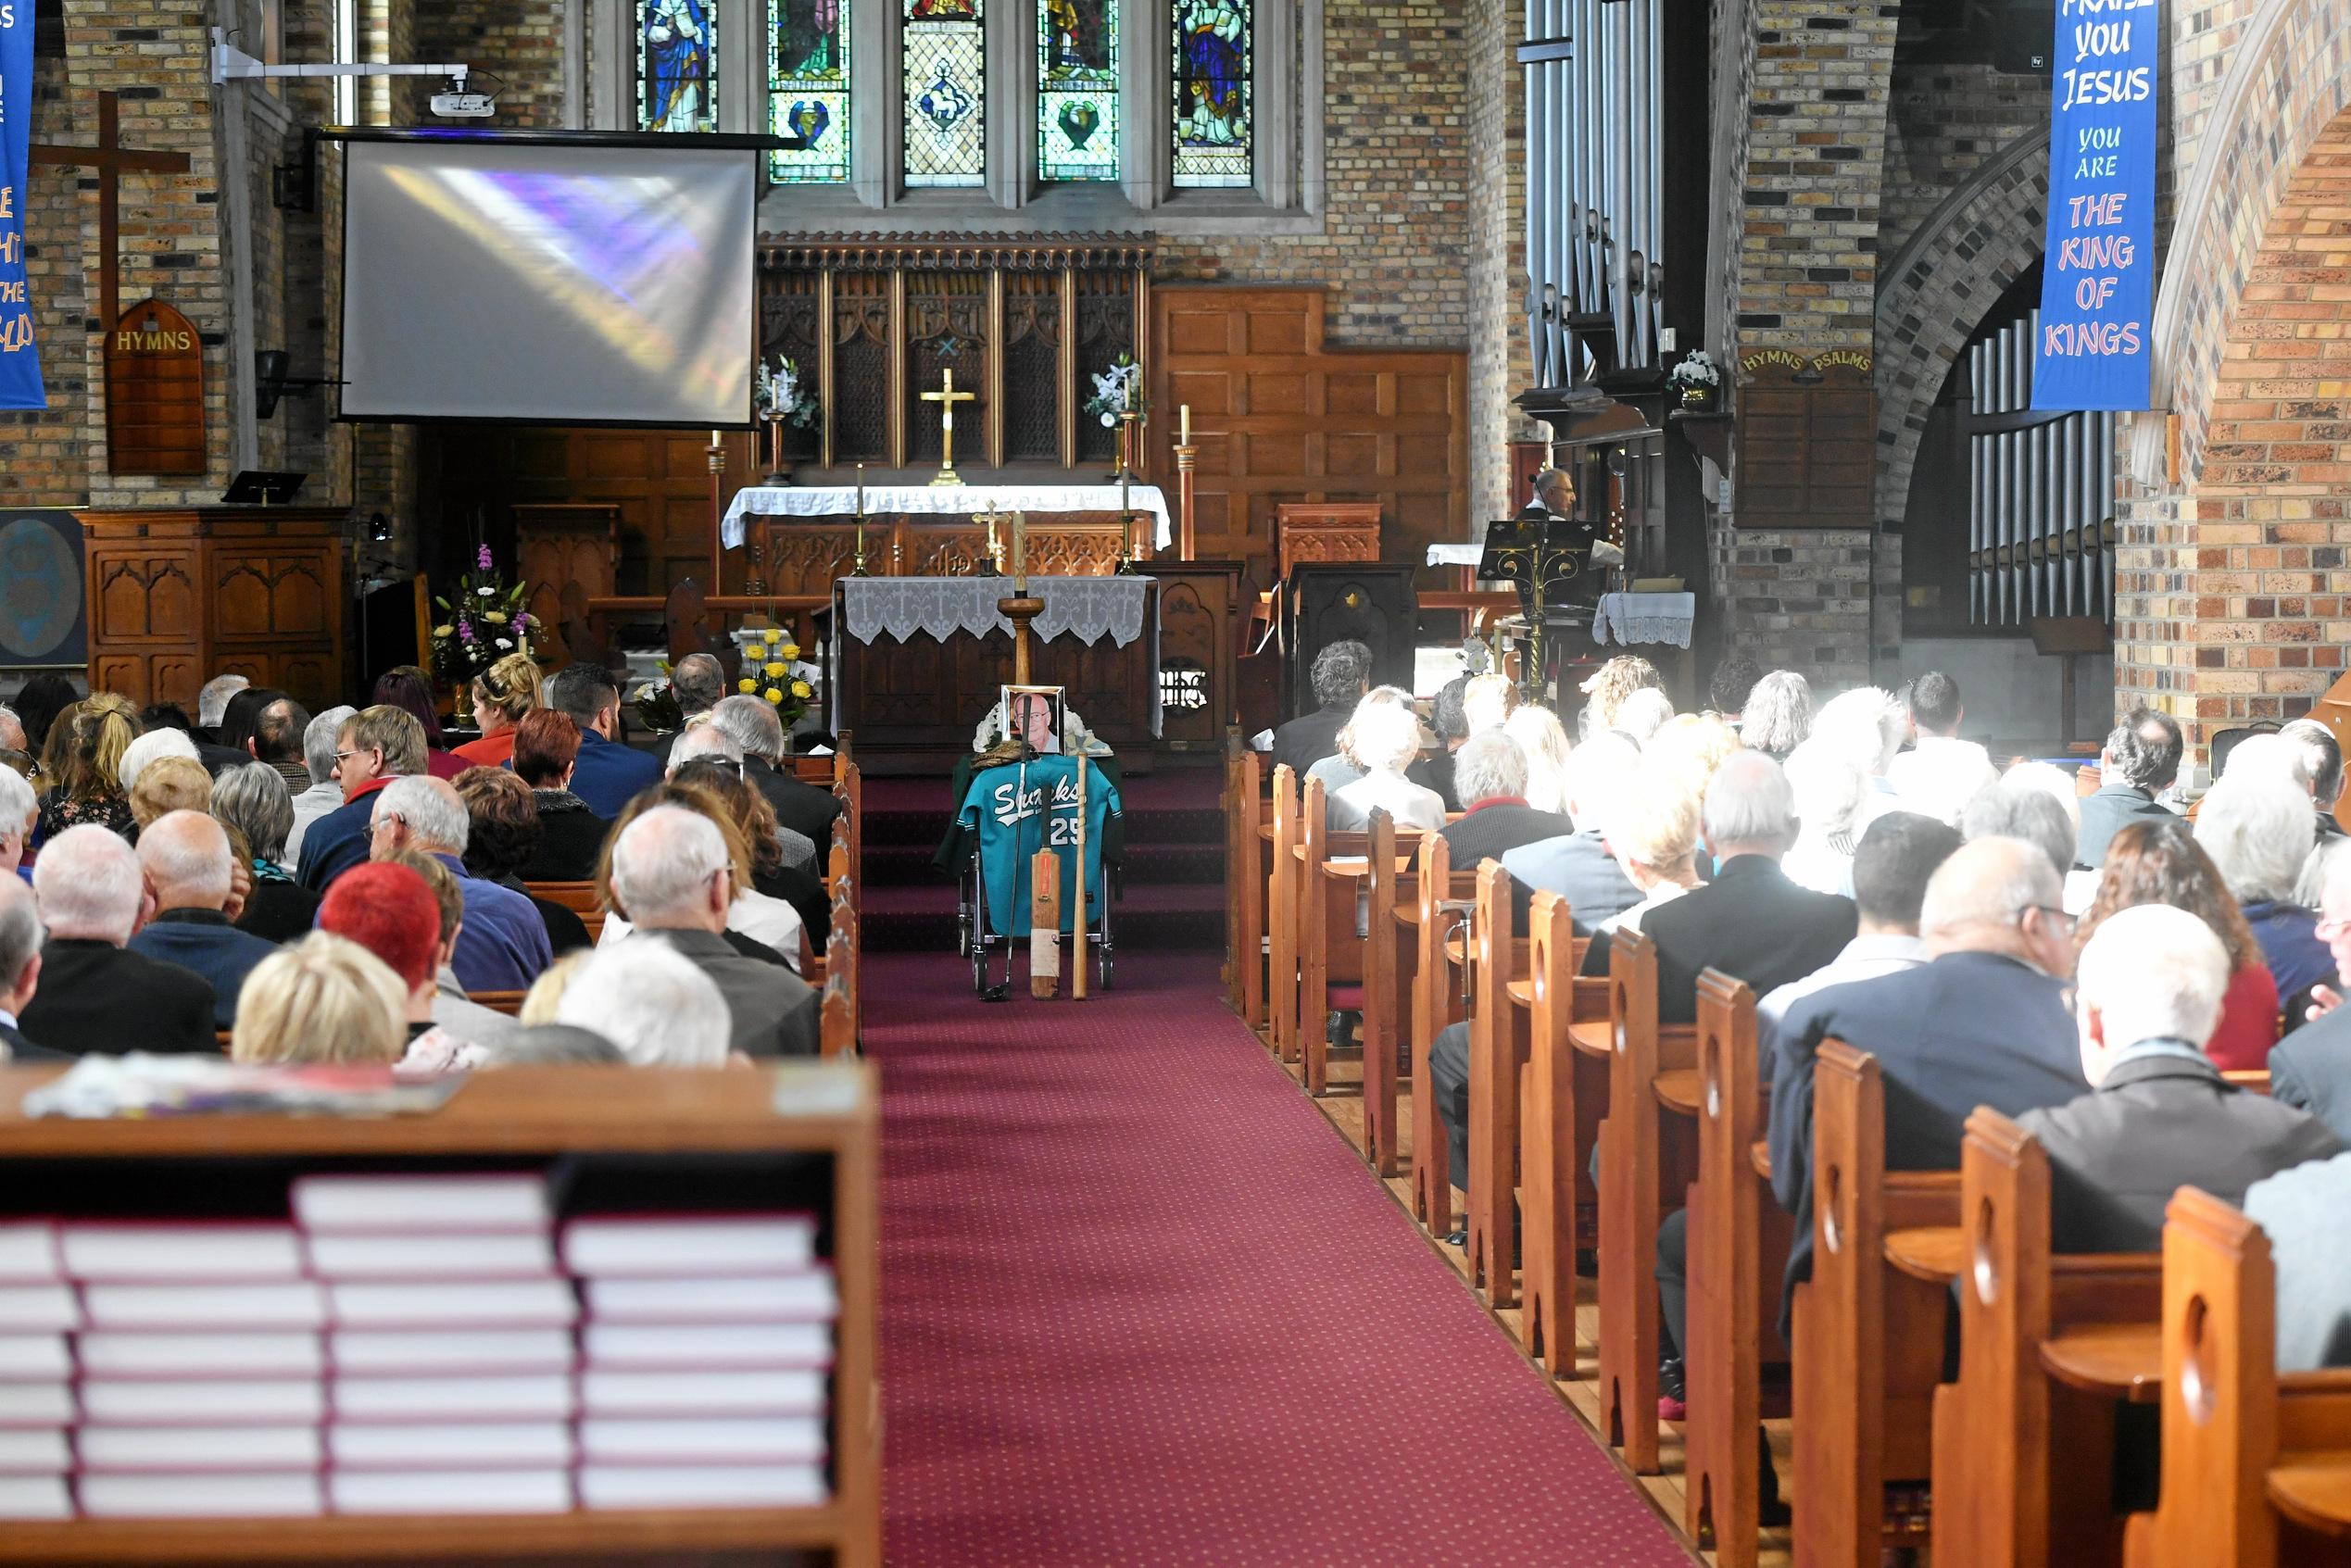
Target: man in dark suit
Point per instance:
(20, 938)
(697, 682)
(1340, 675)
(1750, 921)
(96, 997)
(184, 856)
(375, 747)
(1490, 773)
(606, 774)
(2159, 1116)
(754, 727)
(1983, 1022)
(2142, 757)
(673, 876)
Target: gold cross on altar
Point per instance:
(947, 397)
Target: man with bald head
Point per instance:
(96, 997)
(185, 859)
(1983, 1021)
(502, 945)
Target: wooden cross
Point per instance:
(111, 159)
(947, 397)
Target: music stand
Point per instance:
(263, 488)
(1542, 558)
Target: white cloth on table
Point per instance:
(953, 500)
(1645, 618)
(1086, 608)
(1456, 555)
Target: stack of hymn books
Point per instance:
(705, 1350)
(409, 1344)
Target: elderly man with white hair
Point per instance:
(1865, 726)
(20, 809)
(2159, 1116)
(753, 725)
(212, 702)
(12, 736)
(95, 995)
(2019, 810)
(318, 738)
(1489, 777)
(502, 945)
(1984, 1021)
(20, 940)
(675, 882)
(1579, 865)
(187, 861)
(1384, 738)
(651, 1001)
(2256, 825)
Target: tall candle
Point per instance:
(1186, 438)
(1020, 552)
(861, 489)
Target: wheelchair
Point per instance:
(992, 921)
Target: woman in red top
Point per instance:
(2155, 862)
(502, 695)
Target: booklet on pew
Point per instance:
(361, 1352)
(686, 1485)
(34, 1450)
(281, 1304)
(116, 1353)
(34, 1497)
(34, 1355)
(755, 1346)
(539, 1303)
(28, 1252)
(36, 1404)
(547, 1396)
(126, 1252)
(420, 1205)
(187, 1494)
(701, 1393)
(450, 1491)
(491, 1445)
(144, 1448)
(490, 1255)
(101, 1087)
(752, 1298)
(788, 1439)
(163, 1402)
(31, 1309)
(637, 1245)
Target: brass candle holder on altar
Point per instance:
(860, 570)
(1021, 608)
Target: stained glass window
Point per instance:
(808, 90)
(1077, 89)
(1215, 88)
(946, 93)
(676, 47)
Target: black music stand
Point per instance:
(264, 487)
(1543, 559)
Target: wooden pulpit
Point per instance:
(1325, 531)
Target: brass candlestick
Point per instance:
(860, 571)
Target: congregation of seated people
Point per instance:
(340, 887)
(2093, 962)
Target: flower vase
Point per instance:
(1697, 399)
(779, 467)
(1125, 474)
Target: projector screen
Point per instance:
(558, 284)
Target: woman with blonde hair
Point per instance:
(170, 784)
(1652, 827)
(1609, 685)
(502, 695)
(1343, 766)
(83, 761)
(1544, 740)
(324, 1000)
(1386, 740)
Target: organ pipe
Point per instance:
(2040, 492)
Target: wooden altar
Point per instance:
(179, 596)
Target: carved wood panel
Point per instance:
(558, 545)
(1807, 441)
(1279, 416)
(1326, 530)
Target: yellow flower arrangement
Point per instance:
(747, 686)
(773, 635)
(773, 670)
(802, 690)
(775, 695)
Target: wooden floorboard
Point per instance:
(1342, 1106)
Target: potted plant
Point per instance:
(1118, 403)
(1698, 380)
(485, 622)
(781, 399)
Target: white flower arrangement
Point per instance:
(778, 391)
(1117, 391)
(1695, 369)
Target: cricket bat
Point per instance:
(1077, 920)
(1044, 912)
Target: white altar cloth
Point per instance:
(1086, 608)
(958, 500)
(1456, 555)
(1645, 618)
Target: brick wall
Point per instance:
(520, 39)
(1500, 365)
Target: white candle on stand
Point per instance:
(1185, 439)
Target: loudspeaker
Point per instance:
(1325, 602)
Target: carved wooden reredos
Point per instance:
(1024, 321)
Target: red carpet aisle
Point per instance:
(1140, 1306)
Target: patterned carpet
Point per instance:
(1140, 1306)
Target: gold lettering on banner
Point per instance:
(1759, 359)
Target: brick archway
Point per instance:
(1937, 289)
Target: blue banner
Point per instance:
(2097, 276)
(19, 360)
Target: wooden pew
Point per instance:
(838, 1014)
(2022, 1462)
(581, 897)
(1646, 1160)
(1497, 1031)
(2256, 1465)
(1739, 1239)
(1437, 1001)
(848, 785)
(1868, 1323)
(1390, 955)
(1332, 867)
(1560, 1093)
(1281, 919)
(506, 1002)
(1249, 821)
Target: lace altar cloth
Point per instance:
(1086, 607)
(1645, 618)
(953, 500)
